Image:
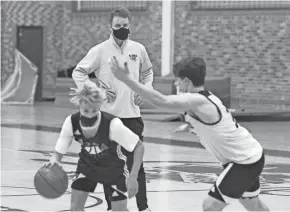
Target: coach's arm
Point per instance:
(146, 73)
(90, 63)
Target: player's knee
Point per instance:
(207, 205)
(119, 205)
(119, 201)
(253, 204)
(78, 200)
(76, 207)
(248, 199)
(212, 204)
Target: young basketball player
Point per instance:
(241, 154)
(121, 101)
(105, 144)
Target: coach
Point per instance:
(121, 100)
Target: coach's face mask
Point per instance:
(88, 122)
(121, 33)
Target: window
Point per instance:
(94, 6)
(239, 5)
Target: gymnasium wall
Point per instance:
(35, 13)
(252, 47)
(86, 29)
(68, 35)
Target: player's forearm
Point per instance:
(63, 144)
(147, 93)
(138, 159)
(57, 156)
(80, 76)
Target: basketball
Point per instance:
(51, 182)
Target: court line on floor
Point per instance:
(264, 191)
(98, 200)
(98, 192)
(15, 150)
(197, 145)
(147, 139)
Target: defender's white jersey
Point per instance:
(226, 139)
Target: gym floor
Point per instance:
(179, 171)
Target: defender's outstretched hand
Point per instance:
(120, 71)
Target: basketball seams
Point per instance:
(65, 179)
(43, 178)
(51, 185)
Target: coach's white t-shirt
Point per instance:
(97, 60)
(226, 139)
(118, 133)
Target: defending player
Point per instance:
(105, 143)
(239, 152)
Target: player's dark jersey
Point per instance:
(104, 146)
(105, 149)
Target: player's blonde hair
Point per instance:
(89, 93)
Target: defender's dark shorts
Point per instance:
(118, 189)
(238, 181)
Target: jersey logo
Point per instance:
(115, 194)
(133, 57)
(93, 149)
(77, 176)
(213, 189)
(103, 147)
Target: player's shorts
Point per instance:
(118, 189)
(238, 181)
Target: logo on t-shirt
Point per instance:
(133, 57)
